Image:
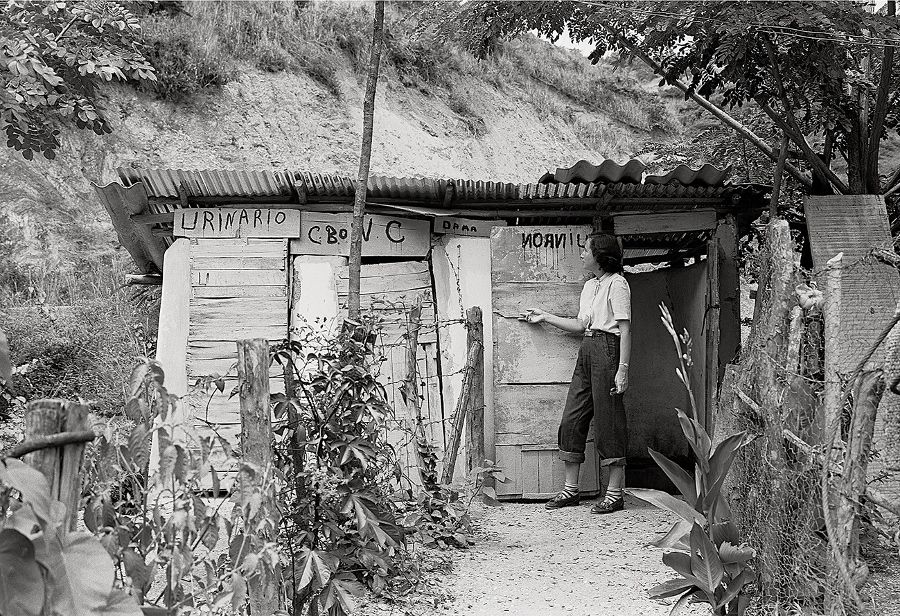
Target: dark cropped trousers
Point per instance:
(589, 398)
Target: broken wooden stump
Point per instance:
(61, 465)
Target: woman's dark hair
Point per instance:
(606, 251)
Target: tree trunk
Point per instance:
(362, 178)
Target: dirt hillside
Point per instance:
(481, 128)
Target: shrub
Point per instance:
(83, 349)
(184, 65)
(714, 564)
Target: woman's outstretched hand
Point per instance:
(534, 315)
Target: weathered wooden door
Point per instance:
(321, 286)
(535, 267)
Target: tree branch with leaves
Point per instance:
(803, 63)
(54, 57)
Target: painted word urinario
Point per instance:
(220, 221)
(553, 240)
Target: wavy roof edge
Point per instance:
(708, 181)
(632, 172)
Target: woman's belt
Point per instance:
(597, 332)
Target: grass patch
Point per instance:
(76, 335)
(203, 45)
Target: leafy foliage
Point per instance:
(707, 551)
(799, 62)
(43, 568)
(348, 520)
(343, 528)
(440, 516)
(53, 57)
(163, 524)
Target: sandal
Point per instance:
(561, 500)
(609, 506)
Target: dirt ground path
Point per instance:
(528, 561)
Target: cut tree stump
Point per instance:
(60, 465)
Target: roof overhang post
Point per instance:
(726, 236)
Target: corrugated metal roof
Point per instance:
(707, 175)
(164, 184)
(607, 172)
(137, 212)
(611, 172)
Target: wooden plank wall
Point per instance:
(462, 281)
(239, 289)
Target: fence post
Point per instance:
(60, 465)
(256, 449)
(475, 434)
(463, 410)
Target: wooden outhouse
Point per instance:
(262, 253)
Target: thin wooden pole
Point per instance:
(867, 393)
(713, 280)
(475, 435)
(463, 408)
(60, 465)
(256, 449)
(779, 175)
(427, 475)
(831, 312)
(365, 157)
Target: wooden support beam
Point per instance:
(711, 321)
(463, 409)
(670, 222)
(729, 292)
(475, 453)
(153, 219)
(831, 311)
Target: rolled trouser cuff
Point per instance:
(571, 456)
(612, 462)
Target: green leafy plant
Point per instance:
(440, 516)
(43, 568)
(341, 519)
(162, 524)
(706, 548)
(53, 58)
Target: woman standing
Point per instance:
(601, 373)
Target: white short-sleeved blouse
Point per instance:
(605, 300)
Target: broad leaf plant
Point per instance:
(705, 546)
